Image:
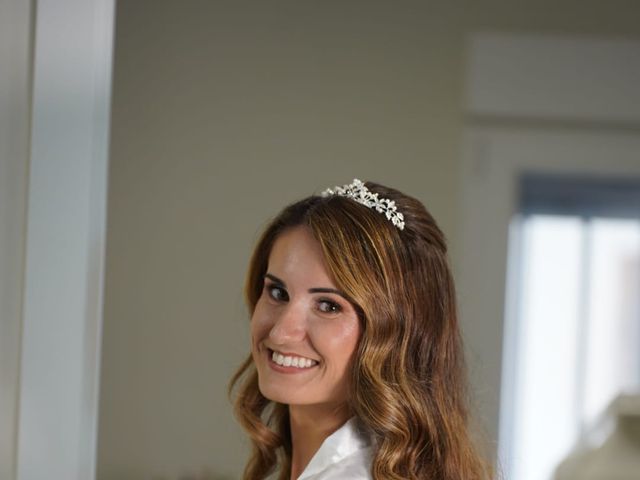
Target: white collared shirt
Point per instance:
(345, 454)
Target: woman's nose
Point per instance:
(289, 325)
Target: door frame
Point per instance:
(55, 216)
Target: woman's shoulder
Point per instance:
(356, 466)
(347, 453)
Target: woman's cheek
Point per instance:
(260, 321)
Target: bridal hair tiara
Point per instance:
(361, 194)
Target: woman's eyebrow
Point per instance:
(327, 290)
(281, 282)
(333, 290)
(311, 290)
(275, 279)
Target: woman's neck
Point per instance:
(310, 426)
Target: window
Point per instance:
(574, 304)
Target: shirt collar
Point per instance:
(342, 443)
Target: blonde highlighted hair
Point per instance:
(408, 382)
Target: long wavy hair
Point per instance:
(408, 382)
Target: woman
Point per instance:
(357, 368)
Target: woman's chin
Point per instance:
(280, 395)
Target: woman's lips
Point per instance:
(289, 363)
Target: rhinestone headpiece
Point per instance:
(361, 194)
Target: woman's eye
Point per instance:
(277, 293)
(327, 306)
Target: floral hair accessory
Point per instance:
(361, 194)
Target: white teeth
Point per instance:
(288, 361)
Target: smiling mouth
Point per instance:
(290, 361)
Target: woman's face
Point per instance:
(304, 332)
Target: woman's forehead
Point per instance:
(296, 255)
